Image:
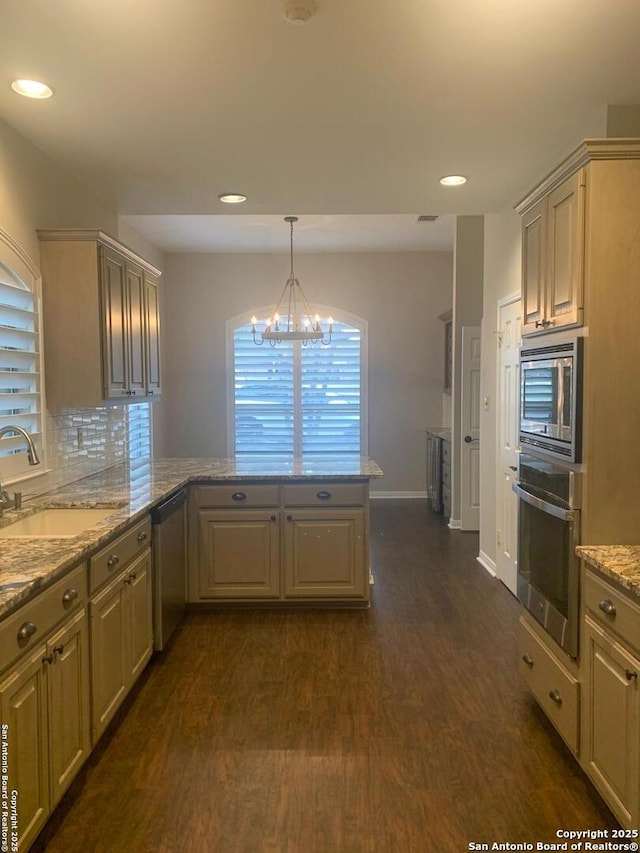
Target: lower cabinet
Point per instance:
(44, 704)
(121, 638)
(548, 677)
(239, 554)
(611, 749)
(324, 554)
(301, 541)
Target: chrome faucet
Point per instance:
(32, 456)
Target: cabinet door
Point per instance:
(238, 554)
(136, 330)
(324, 554)
(113, 284)
(152, 317)
(109, 659)
(139, 616)
(565, 253)
(533, 268)
(23, 706)
(68, 686)
(611, 747)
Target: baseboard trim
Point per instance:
(399, 496)
(487, 563)
(455, 524)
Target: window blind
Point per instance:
(20, 391)
(293, 400)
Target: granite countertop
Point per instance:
(29, 564)
(620, 563)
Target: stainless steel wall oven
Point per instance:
(548, 532)
(551, 399)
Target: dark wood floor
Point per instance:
(399, 729)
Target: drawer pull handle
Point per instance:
(555, 696)
(527, 659)
(26, 630)
(238, 496)
(631, 675)
(113, 560)
(58, 650)
(607, 606)
(70, 595)
(324, 496)
(142, 536)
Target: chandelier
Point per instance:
(300, 322)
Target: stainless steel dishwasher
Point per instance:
(169, 566)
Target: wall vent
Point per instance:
(427, 217)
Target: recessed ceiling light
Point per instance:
(232, 198)
(32, 89)
(453, 180)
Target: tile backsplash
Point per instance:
(80, 442)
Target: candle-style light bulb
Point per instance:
(330, 321)
(254, 320)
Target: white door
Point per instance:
(470, 439)
(509, 332)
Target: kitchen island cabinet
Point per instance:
(280, 542)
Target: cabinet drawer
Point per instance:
(446, 453)
(325, 494)
(238, 495)
(114, 557)
(623, 615)
(35, 619)
(546, 678)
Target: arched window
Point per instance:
(21, 400)
(296, 400)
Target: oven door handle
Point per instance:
(545, 506)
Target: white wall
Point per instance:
(401, 296)
(502, 276)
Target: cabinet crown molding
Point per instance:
(588, 150)
(94, 235)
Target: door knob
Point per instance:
(468, 439)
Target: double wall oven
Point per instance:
(549, 486)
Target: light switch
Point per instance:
(486, 402)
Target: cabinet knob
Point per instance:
(47, 659)
(58, 650)
(527, 659)
(142, 536)
(239, 496)
(323, 495)
(132, 577)
(555, 696)
(113, 560)
(631, 675)
(26, 630)
(289, 518)
(70, 595)
(607, 606)
(273, 518)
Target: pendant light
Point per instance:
(300, 322)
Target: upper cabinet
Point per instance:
(101, 321)
(553, 248)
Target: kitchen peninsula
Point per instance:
(31, 564)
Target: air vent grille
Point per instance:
(427, 217)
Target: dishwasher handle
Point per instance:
(166, 508)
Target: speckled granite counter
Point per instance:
(620, 563)
(28, 565)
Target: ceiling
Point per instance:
(160, 106)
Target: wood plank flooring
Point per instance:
(401, 729)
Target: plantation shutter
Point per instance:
(293, 399)
(263, 396)
(20, 396)
(330, 394)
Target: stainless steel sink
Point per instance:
(55, 523)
